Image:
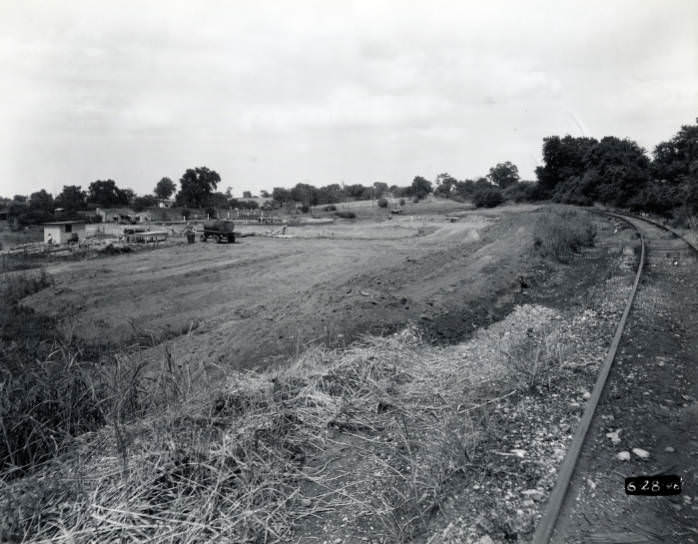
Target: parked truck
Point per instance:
(220, 230)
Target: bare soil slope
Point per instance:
(246, 304)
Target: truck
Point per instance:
(221, 230)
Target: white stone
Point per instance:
(669, 449)
(614, 436)
(642, 454)
(623, 456)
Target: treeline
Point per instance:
(576, 170)
(619, 172)
(612, 171)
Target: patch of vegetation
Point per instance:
(561, 234)
(346, 215)
(488, 197)
(382, 203)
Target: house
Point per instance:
(62, 232)
(122, 215)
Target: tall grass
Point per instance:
(560, 234)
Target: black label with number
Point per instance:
(653, 485)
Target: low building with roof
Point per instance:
(62, 232)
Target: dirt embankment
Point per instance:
(263, 299)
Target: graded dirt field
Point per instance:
(247, 304)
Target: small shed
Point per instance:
(62, 232)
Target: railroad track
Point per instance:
(658, 246)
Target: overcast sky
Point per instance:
(273, 93)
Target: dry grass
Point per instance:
(372, 433)
(561, 233)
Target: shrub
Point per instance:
(402, 202)
(305, 208)
(488, 197)
(560, 234)
(330, 208)
(382, 203)
(346, 215)
(521, 192)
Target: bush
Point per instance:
(488, 197)
(330, 208)
(402, 202)
(382, 203)
(521, 192)
(561, 234)
(346, 215)
(305, 208)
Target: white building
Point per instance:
(62, 232)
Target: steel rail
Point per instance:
(547, 523)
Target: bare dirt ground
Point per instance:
(247, 304)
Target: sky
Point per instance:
(272, 93)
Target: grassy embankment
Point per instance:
(98, 450)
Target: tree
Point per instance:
(564, 159)
(106, 194)
(165, 188)
(379, 189)
(264, 194)
(196, 186)
(41, 200)
(304, 193)
(140, 203)
(504, 174)
(72, 198)
(678, 158)
(616, 170)
(281, 194)
(488, 197)
(218, 200)
(22, 199)
(445, 183)
(247, 194)
(420, 187)
(330, 194)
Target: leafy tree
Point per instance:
(106, 194)
(357, 191)
(464, 189)
(615, 171)
(281, 194)
(420, 187)
(165, 188)
(677, 158)
(504, 174)
(196, 186)
(488, 197)
(72, 198)
(247, 194)
(264, 194)
(218, 200)
(22, 199)
(304, 193)
(445, 183)
(140, 203)
(379, 189)
(41, 200)
(129, 195)
(564, 159)
(330, 194)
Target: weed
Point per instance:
(560, 234)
